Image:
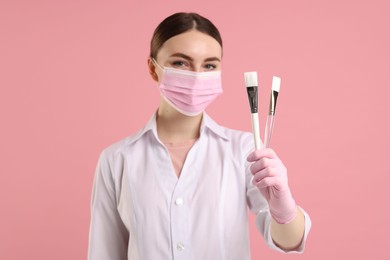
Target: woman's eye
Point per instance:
(179, 64)
(210, 66)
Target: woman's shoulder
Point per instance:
(242, 137)
(235, 132)
(238, 141)
(227, 132)
(121, 146)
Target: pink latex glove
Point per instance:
(270, 176)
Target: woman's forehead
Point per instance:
(194, 44)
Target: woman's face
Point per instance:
(192, 50)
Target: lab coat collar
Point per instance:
(207, 123)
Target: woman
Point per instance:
(180, 187)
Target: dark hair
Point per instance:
(179, 23)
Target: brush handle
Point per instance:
(256, 130)
(268, 130)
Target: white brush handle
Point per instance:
(256, 130)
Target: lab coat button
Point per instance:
(180, 246)
(179, 201)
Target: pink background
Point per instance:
(74, 80)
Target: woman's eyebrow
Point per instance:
(184, 56)
(213, 59)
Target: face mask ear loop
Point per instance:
(156, 64)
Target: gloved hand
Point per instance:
(270, 176)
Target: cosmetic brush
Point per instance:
(272, 108)
(251, 88)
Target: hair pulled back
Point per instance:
(179, 23)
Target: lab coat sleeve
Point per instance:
(258, 205)
(108, 237)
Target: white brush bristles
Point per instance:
(250, 79)
(276, 84)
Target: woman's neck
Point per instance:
(172, 126)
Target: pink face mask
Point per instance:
(189, 92)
